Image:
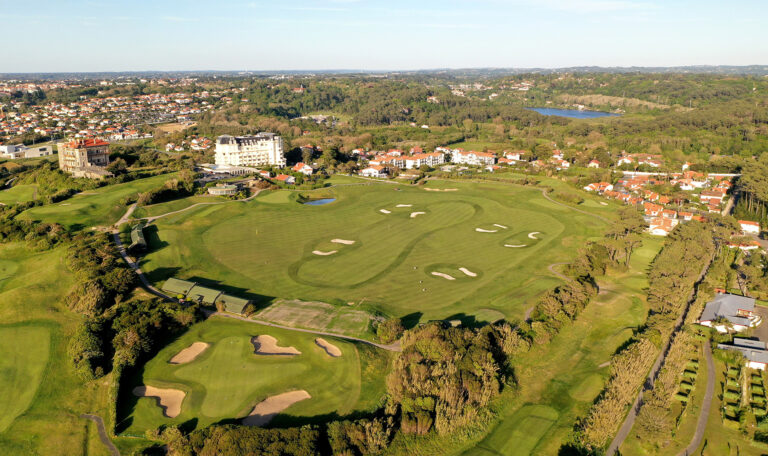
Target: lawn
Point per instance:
(24, 353)
(175, 205)
(268, 247)
(102, 206)
(228, 379)
(41, 415)
(18, 194)
(559, 381)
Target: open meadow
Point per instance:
(473, 251)
(234, 372)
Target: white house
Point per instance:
(737, 311)
(593, 164)
(303, 169)
(473, 158)
(748, 227)
(374, 171)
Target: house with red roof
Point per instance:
(374, 171)
(286, 179)
(303, 169)
(748, 227)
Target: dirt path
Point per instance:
(701, 426)
(395, 347)
(102, 433)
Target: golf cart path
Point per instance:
(551, 268)
(701, 426)
(102, 433)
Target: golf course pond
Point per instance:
(319, 202)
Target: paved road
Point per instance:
(395, 347)
(701, 426)
(148, 286)
(102, 433)
(629, 421)
(551, 269)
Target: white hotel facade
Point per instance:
(256, 150)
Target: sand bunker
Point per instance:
(342, 241)
(445, 276)
(168, 399)
(533, 235)
(189, 354)
(267, 345)
(468, 272)
(384, 211)
(441, 190)
(500, 226)
(320, 252)
(329, 348)
(515, 246)
(603, 203)
(480, 230)
(404, 205)
(267, 409)
(414, 214)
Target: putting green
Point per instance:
(24, 353)
(228, 379)
(272, 249)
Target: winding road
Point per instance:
(102, 433)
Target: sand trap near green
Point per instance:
(229, 379)
(24, 351)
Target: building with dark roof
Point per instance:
(263, 149)
(754, 352)
(739, 311)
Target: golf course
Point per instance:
(476, 251)
(234, 372)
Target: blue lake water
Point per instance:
(572, 113)
(319, 202)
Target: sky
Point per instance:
(261, 35)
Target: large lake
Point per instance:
(572, 113)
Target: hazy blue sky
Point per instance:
(106, 35)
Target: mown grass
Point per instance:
(175, 205)
(563, 378)
(41, 416)
(102, 206)
(265, 247)
(228, 379)
(18, 194)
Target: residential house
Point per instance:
(374, 171)
(729, 311)
(748, 227)
(303, 169)
(593, 164)
(473, 158)
(661, 226)
(286, 179)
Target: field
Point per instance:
(560, 381)
(18, 194)
(42, 414)
(505, 236)
(102, 206)
(228, 379)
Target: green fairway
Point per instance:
(18, 194)
(24, 353)
(228, 379)
(564, 377)
(102, 206)
(505, 236)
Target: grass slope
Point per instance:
(97, 207)
(265, 247)
(42, 416)
(18, 194)
(228, 379)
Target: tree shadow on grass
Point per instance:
(259, 301)
(411, 320)
(289, 421)
(161, 274)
